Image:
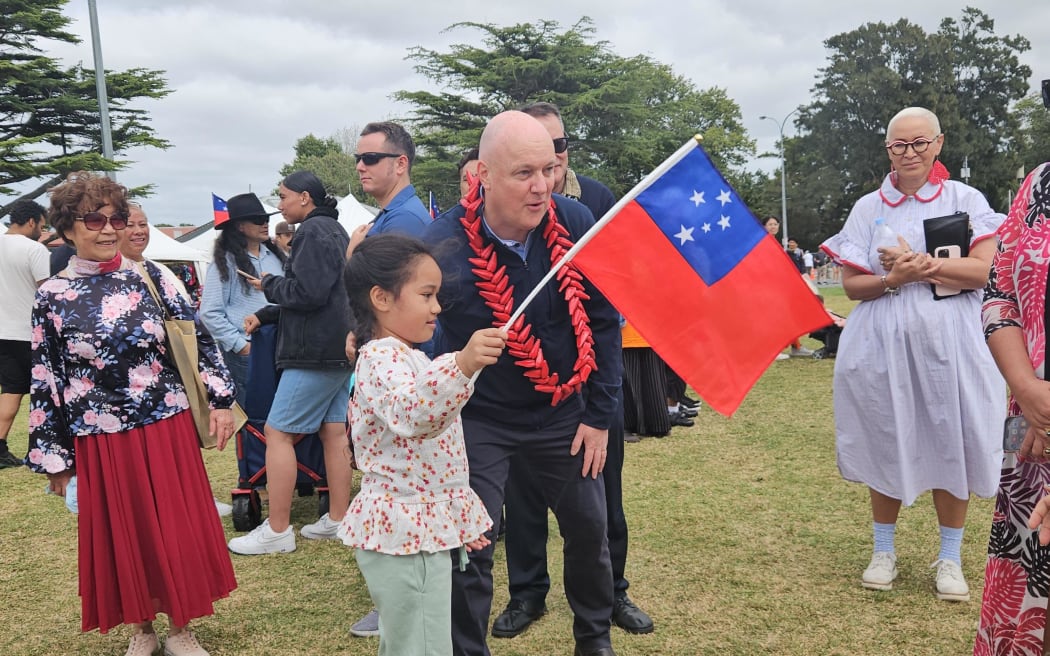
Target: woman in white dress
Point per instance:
(917, 396)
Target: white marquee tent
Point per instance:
(351, 214)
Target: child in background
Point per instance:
(415, 503)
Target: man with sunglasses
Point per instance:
(385, 153)
(24, 264)
(526, 510)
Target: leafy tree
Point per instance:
(963, 72)
(329, 159)
(1033, 144)
(49, 115)
(624, 114)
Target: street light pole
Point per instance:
(100, 86)
(783, 174)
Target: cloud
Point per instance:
(251, 77)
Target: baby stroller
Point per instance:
(829, 336)
(251, 442)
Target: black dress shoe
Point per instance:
(678, 420)
(629, 617)
(517, 617)
(689, 401)
(688, 413)
(600, 651)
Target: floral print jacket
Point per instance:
(101, 365)
(408, 440)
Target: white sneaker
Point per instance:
(801, 352)
(224, 509)
(881, 571)
(263, 540)
(323, 529)
(783, 356)
(951, 584)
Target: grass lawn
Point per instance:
(744, 540)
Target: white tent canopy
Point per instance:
(351, 214)
(165, 249)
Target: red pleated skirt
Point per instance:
(150, 538)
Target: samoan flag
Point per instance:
(693, 270)
(218, 205)
(434, 211)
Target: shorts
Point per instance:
(307, 398)
(15, 365)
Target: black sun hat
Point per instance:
(243, 206)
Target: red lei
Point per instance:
(498, 293)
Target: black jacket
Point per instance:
(503, 394)
(310, 301)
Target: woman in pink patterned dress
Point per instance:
(415, 503)
(1017, 576)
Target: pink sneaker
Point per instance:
(143, 644)
(183, 643)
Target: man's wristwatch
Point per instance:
(888, 289)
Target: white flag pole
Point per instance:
(613, 211)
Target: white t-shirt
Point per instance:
(23, 264)
(807, 259)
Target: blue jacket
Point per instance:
(503, 394)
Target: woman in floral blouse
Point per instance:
(107, 404)
(415, 503)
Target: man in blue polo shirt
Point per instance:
(385, 153)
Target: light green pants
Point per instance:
(413, 595)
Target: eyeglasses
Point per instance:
(919, 145)
(258, 220)
(95, 221)
(371, 159)
(561, 144)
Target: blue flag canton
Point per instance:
(218, 204)
(702, 216)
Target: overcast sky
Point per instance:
(249, 77)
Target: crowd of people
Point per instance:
(461, 425)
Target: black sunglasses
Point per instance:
(371, 159)
(561, 144)
(258, 220)
(95, 221)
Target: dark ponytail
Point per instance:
(301, 181)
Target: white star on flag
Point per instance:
(697, 197)
(724, 222)
(707, 227)
(724, 197)
(685, 234)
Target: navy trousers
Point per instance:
(526, 531)
(578, 504)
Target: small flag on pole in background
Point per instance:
(696, 274)
(434, 211)
(218, 205)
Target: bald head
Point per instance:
(516, 167)
(511, 131)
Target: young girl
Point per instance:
(415, 503)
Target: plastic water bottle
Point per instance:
(883, 237)
(71, 496)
